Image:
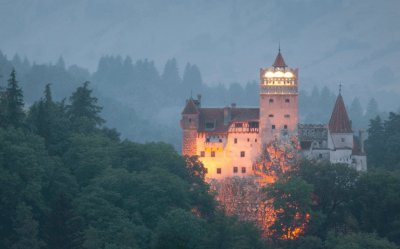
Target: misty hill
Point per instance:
(353, 42)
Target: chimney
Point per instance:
(361, 138)
(227, 115)
(233, 105)
(199, 100)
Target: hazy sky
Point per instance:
(356, 42)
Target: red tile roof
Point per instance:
(339, 122)
(279, 61)
(190, 107)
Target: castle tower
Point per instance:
(341, 135)
(189, 125)
(278, 100)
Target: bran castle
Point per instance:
(229, 140)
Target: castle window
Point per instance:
(271, 100)
(287, 116)
(210, 126)
(342, 139)
(273, 127)
(219, 170)
(235, 140)
(287, 100)
(253, 124)
(238, 125)
(243, 170)
(271, 115)
(285, 127)
(320, 155)
(190, 120)
(255, 140)
(207, 139)
(242, 154)
(212, 153)
(235, 170)
(248, 140)
(202, 153)
(220, 140)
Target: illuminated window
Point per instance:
(285, 127)
(242, 154)
(287, 116)
(271, 100)
(235, 169)
(202, 153)
(212, 153)
(273, 127)
(243, 170)
(219, 170)
(271, 115)
(235, 140)
(287, 100)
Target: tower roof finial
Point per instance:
(340, 88)
(279, 46)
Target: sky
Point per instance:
(352, 42)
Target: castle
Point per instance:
(229, 140)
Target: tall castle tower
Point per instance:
(189, 125)
(278, 100)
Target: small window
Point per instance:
(271, 115)
(202, 153)
(273, 127)
(285, 127)
(343, 139)
(287, 116)
(271, 100)
(238, 125)
(207, 139)
(220, 140)
(248, 140)
(190, 120)
(235, 170)
(242, 154)
(209, 125)
(219, 170)
(320, 155)
(253, 124)
(243, 170)
(212, 153)
(287, 100)
(235, 140)
(255, 140)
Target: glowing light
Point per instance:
(278, 74)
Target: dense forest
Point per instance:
(68, 181)
(145, 104)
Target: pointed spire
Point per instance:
(339, 122)
(279, 61)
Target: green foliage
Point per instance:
(13, 103)
(291, 201)
(358, 241)
(383, 144)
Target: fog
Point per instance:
(355, 43)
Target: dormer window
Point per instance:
(238, 125)
(210, 125)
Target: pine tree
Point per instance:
(372, 109)
(83, 110)
(14, 103)
(375, 144)
(64, 229)
(356, 114)
(26, 229)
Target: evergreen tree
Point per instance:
(375, 144)
(26, 229)
(14, 103)
(83, 110)
(356, 114)
(192, 79)
(65, 228)
(372, 109)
